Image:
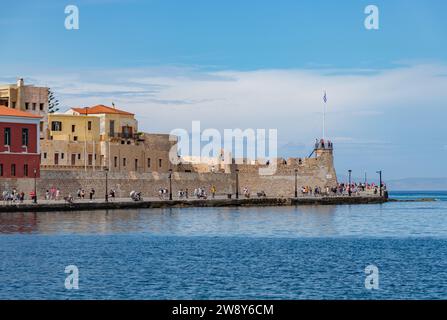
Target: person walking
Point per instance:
(92, 193)
(213, 191)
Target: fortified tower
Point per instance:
(323, 151)
(323, 148)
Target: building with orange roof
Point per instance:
(19, 150)
(115, 124)
(98, 137)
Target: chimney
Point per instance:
(20, 94)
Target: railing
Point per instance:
(125, 135)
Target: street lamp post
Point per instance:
(296, 183)
(237, 183)
(349, 190)
(106, 170)
(35, 186)
(170, 184)
(380, 182)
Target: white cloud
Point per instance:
(290, 100)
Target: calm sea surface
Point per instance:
(308, 252)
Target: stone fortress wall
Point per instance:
(318, 171)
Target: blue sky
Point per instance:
(259, 64)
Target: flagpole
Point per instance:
(324, 121)
(324, 115)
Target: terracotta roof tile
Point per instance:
(10, 112)
(98, 109)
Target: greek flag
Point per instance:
(324, 97)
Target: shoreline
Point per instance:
(183, 203)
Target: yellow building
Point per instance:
(101, 137)
(73, 141)
(73, 128)
(115, 124)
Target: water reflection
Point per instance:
(391, 219)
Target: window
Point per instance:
(90, 159)
(25, 134)
(7, 136)
(89, 125)
(13, 104)
(136, 164)
(73, 128)
(115, 162)
(34, 106)
(1, 169)
(75, 138)
(41, 106)
(13, 170)
(148, 162)
(124, 162)
(26, 105)
(62, 155)
(79, 156)
(56, 126)
(44, 155)
(25, 170)
(159, 163)
(112, 128)
(41, 126)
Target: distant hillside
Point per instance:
(421, 184)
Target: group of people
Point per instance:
(183, 194)
(356, 188)
(162, 193)
(81, 194)
(52, 194)
(308, 190)
(323, 144)
(13, 196)
(200, 193)
(343, 189)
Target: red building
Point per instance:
(19, 144)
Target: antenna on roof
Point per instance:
(113, 105)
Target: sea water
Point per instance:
(303, 252)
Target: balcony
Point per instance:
(126, 135)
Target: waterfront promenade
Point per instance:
(219, 201)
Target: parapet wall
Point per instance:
(311, 172)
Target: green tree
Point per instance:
(53, 103)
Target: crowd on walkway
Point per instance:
(199, 193)
(52, 194)
(55, 194)
(343, 189)
(13, 196)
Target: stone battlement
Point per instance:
(314, 172)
